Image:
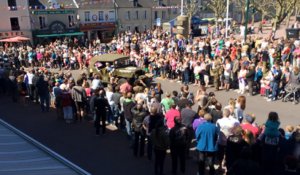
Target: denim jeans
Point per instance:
(68, 112)
(128, 127)
(115, 113)
(275, 86)
(206, 157)
(45, 102)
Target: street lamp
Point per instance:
(181, 10)
(246, 19)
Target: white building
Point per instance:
(15, 19)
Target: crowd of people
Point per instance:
(227, 140)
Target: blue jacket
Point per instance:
(207, 135)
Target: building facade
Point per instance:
(97, 19)
(54, 19)
(15, 19)
(141, 15)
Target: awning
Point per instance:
(60, 34)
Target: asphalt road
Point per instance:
(110, 154)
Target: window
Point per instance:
(155, 14)
(145, 14)
(87, 16)
(14, 22)
(137, 14)
(11, 3)
(135, 3)
(101, 16)
(71, 20)
(163, 15)
(42, 21)
(128, 15)
(111, 15)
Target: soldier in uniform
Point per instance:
(216, 72)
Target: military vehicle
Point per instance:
(116, 65)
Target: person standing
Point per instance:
(160, 140)
(128, 104)
(79, 96)
(250, 75)
(66, 103)
(138, 116)
(43, 92)
(178, 143)
(206, 137)
(101, 107)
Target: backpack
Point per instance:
(181, 136)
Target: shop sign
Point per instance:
(52, 12)
(11, 34)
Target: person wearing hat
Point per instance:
(249, 125)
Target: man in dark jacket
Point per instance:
(101, 107)
(33, 88)
(250, 78)
(43, 92)
(178, 143)
(277, 73)
(128, 105)
(138, 116)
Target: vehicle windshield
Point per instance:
(116, 64)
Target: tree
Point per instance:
(284, 8)
(218, 7)
(191, 10)
(267, 8)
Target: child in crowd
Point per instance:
(288, 131)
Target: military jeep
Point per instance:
(120, 67)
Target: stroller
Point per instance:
(292, 92)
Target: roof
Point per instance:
(20, 154)
(42, 4)
(129, 3)
(147, 3)
(95, 4)
(107, 58)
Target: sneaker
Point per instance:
(269, 100)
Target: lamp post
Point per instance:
(246, 19)
(181, 10)
(227, 12)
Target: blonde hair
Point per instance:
(289, 128)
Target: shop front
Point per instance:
(105, 31)
(57, 29)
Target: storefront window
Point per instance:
(101, 16)
(42, 21)
(71, 20)
(111, 15)
(87, 16)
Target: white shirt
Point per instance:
(225, 125)
(227, 69)
(95, 84)
(30, 76)
(108, 96)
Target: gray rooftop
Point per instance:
(18, 156)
